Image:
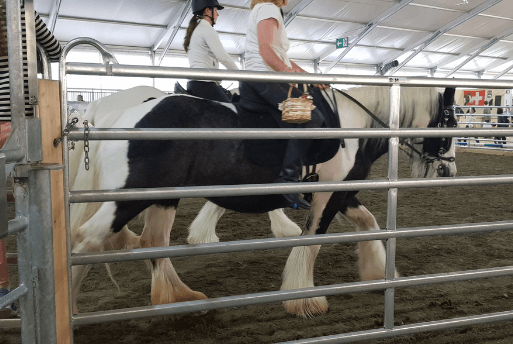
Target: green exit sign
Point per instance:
(342, 42)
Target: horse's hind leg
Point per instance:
(90, 237)
(124, 239)
(371, 254)
(78, 274)
(166, 286)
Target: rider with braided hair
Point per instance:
(204, 49)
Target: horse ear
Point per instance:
(449, 96)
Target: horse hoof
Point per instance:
(195, 295)
(191, 240)
(178, 297)
(307, 308)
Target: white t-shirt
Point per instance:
(206, 50)
(280, 44)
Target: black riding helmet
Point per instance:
(199, 5)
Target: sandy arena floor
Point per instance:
(259, 271)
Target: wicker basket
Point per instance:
(297, 110)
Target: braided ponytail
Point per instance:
(192, 26)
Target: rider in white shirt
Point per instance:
(204, 49)
(266, 50)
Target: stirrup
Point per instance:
(295, 201)
(312, 177)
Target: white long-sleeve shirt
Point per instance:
(206, 50)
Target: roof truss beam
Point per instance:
(174, 29)
(295, 11)
(370, 26)
(481, 49)
(505, 70)
(451, 25)
(498, 62)
(54, 13)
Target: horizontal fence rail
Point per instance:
(13, 295)
(13, 155)
(284, 295)
(275, 243)
(408, 329)
(244, 75)
(278, 188)
(16, 225)
(257, 134)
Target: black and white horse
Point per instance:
(136, 164)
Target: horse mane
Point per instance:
(419, 105)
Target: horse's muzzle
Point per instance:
(444, 171)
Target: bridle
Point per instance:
(436, 147)
(439, 146)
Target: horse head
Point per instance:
(437, 154)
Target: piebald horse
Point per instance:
(131, 164)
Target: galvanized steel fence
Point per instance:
(30, 286)
(392, 184)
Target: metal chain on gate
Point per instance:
(86, 145)
(65, 132)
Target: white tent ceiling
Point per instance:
(439, 37)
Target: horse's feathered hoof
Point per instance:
(307, 308)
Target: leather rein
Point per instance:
(441, 123)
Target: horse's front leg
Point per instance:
(298, 271)
(203, 229)
(166, 286)
(282, 226)
(371, 254)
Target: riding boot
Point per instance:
(291, 170)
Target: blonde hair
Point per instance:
(279, 3)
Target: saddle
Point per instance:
(234, 98)
(270, 153)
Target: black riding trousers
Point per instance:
(264, 97)
(208, 90)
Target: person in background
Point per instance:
(502, 122)
(508, 116)
(266, 50)
(469, 119)
(204, 49)
(475, 125)
(53, 49)
(458, 112)
(80, 98)
(486, 116)
(486, 112)
(505, 121)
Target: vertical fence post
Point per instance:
(393, 166)
(41, 245)
(49, 111)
